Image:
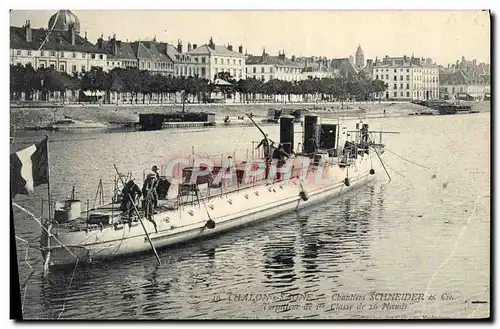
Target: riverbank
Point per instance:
(106, 114)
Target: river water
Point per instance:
(416, 234)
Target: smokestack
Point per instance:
(29, 32)
(310, 127)
(286, 133)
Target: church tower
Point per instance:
(360, 58)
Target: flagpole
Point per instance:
(48, 177)
(49, 227)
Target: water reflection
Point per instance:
(279, 264)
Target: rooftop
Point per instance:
(56, 40)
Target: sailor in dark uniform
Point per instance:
(130, 193)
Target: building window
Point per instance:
(42, 53)
(376, 70)
(62, 68)
(395, 78)
(395, 94)
(18, 53)
(401, 86)
(387, 76)
(395, 86)
(203, 60)
(52, 66)
(240, 62)
(407, 86)
(395, 70)
(376, 77)
(100, 56)
(74, 55)
(29, 52)
(234, 62)
(263, 78)
(73, 68)
(216, 60)
(84, 55)
(402, 94)
(401, 77)
(62, 53)
(228, 61)
(83, 68)
(52, 53)
(149, 65)
(271, 77)
(203, 71)
(254, 70)
(42, 66)
(262, 69)
(407, 77)
(254, 76)
(92, 56)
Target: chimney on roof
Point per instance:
(99, 43)
(293, 58)
(114, 44)
(194, 46)
(28, 31)
(240, 49)
(85, 36)
(71, 31)
(179, 46)
(230, 47)
(189, 46)
(211, 43)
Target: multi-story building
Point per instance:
(267, 67)
(60, 46)
(183, 63)
(459, 85)
(213, 59)
(408, 77)
(145, 55)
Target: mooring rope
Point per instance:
(417, 164)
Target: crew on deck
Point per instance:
(130, 194)
(266, 147)
(311, 146)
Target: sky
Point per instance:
(445, 36)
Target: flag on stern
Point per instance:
(29, 168)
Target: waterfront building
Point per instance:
(408, 78)
(458, 85)
(266, 67)
(60, 46)
(213, 59)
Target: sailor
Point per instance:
(155, 187)
(148, 191)
(280, 153)
(130, 193)
(265, 146)
(364, 133)
(311, 146)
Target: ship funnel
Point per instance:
(287, 132)
(310, 127)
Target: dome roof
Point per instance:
(62, 20)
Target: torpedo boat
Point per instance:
(209, 199)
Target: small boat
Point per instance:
(204, 201)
